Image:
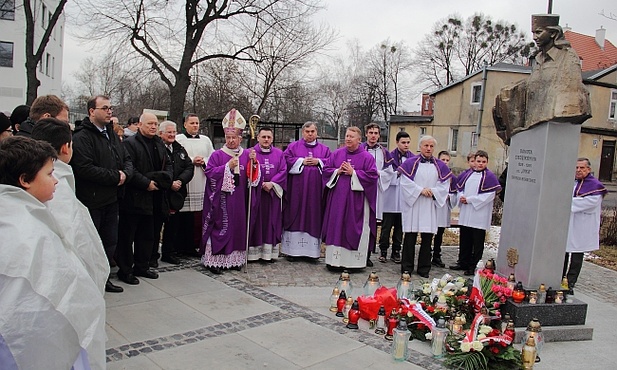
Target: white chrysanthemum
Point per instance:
(428, 336)
(477, 346)
(465, 347)
(485, 329)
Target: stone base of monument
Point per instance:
(560, 322)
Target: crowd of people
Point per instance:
(79, 200)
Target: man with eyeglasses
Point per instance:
(101, 166)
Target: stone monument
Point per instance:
(540, 119)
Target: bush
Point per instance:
(497, 212)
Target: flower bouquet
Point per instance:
(482, 347)
(489, 290)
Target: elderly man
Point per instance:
(349, 225)
(425, 184)
(144, 202)
(101, 167)
(583, 232)
(267, 230)
(303, 214)
(199, 147)
(225, 209)
(182, 173)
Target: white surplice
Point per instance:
(478, 211)
(584, 228)
(201, 146)
(419, 213)
(386, 175)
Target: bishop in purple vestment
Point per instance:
(223, 242)
(303, 213)
(349, 226)
(267, 230)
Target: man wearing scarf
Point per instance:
(425, 184)
(476, 192)
(583, 232)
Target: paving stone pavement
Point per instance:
(275, 314)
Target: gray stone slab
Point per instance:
(301, 342)
(227, 304)
(137, 363)
(143, 292)
(142, 321)
(114, 338)
(184, 282)
(364, 358)
(227, 352)
(571, 312)
(537, 204)
(567, 333)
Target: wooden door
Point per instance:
(606, 161)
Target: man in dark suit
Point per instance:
(144, 202)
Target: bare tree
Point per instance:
(612, 16)
(34, 50)
(484, 41)
(454, 49)
(289, 45)
(435, 53)
(173, 44)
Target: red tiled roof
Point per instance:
(589, 51)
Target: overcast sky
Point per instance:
(372, 21)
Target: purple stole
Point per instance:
(589, 186)
(410, 167)
(397, 157)
(488, 183)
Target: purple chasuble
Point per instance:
(488, 183)
(344, 213)
(224, 213)
(303, 199)
(410, 167)
(387, 157)
(268, 226)
(589, 186)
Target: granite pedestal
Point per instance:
(536, 211)
(571, 312)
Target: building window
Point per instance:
(476, 93)
(6, 54)
(401, 129)
(44, 16)
(611, 106)
(7, 10)
(53, 66)
(453, 139)
(47, 63)
(422, 131)
(474, 139)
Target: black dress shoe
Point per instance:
(437, 262)
(457, 268)
(369, 263)
(111, 288)
(128, 278)
(150, 274)
(215, 270)
(154, 264)
(423, 274)
(171, 259)
(469, 273)
(190, 253)
(237, 268)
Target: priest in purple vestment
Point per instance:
(267, 230)
(223, 242)
(349, 226)
(303, 212)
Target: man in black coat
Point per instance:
(144, 202)
(183, 173)
(101, 167)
